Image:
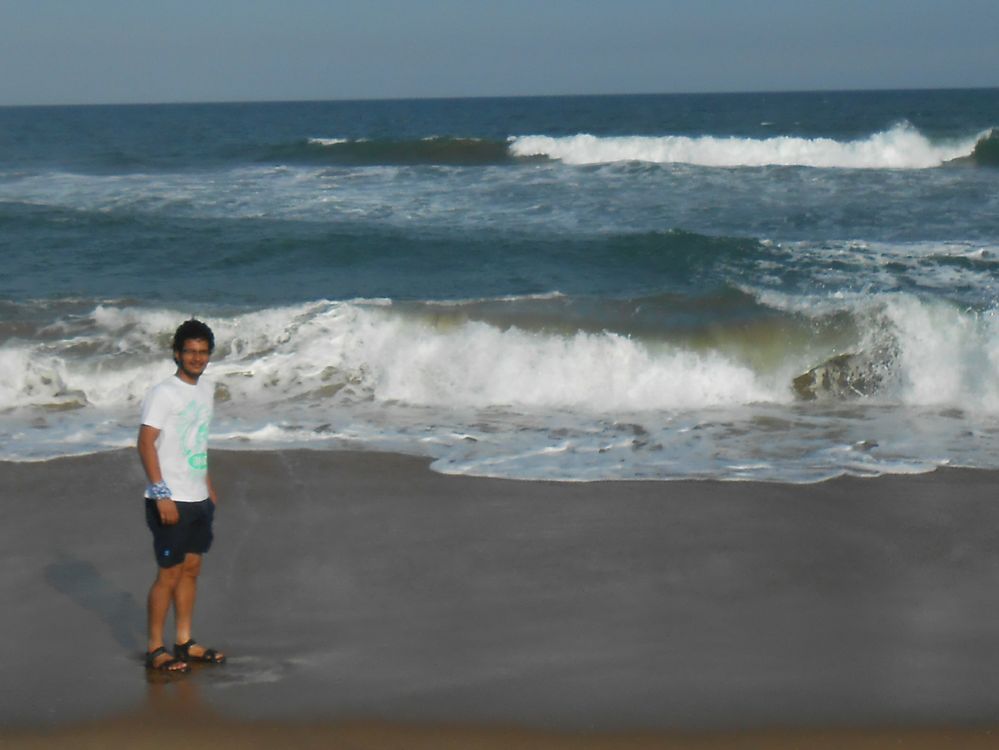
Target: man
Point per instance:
(180, 499)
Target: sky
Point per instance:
(124, 51)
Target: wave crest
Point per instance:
(901, 147)
(986, 153)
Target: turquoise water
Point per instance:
(573, 288)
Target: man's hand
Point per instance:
(169, 515)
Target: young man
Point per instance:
(180, 499)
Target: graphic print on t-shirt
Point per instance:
(193, 423)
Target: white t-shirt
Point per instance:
(182, 413)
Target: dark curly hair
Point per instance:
(193, 329)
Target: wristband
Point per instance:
(159, 491)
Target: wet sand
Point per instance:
(366, 600)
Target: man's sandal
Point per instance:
(169, 665)
(183, 652)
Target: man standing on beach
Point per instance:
(180, 499)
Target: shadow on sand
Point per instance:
(84, 584)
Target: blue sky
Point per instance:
(103, 51)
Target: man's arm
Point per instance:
(146, 446)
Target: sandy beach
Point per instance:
(366, 601)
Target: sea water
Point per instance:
(785, 287)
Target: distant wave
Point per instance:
(986, 151)
(901, 147)
(373, 152)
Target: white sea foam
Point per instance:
(377, 351)
(901, 147)
(963, 272)
(948, 357)
(327, 141)
(504, 298)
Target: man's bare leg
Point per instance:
(161, 594)
(184, 597)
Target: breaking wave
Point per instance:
(460, 383)
(901, 147)
(470, 354)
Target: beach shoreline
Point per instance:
(364, 590)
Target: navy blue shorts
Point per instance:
(192, 533)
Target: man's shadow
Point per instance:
(83, 583)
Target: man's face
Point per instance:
(192, 359)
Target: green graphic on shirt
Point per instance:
(193, 423)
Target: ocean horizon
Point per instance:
(479, 97)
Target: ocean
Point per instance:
(774, 286)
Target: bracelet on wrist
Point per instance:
(159, 491)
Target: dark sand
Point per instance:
(368, 602)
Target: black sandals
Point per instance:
(169, 665)
(183, 652)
